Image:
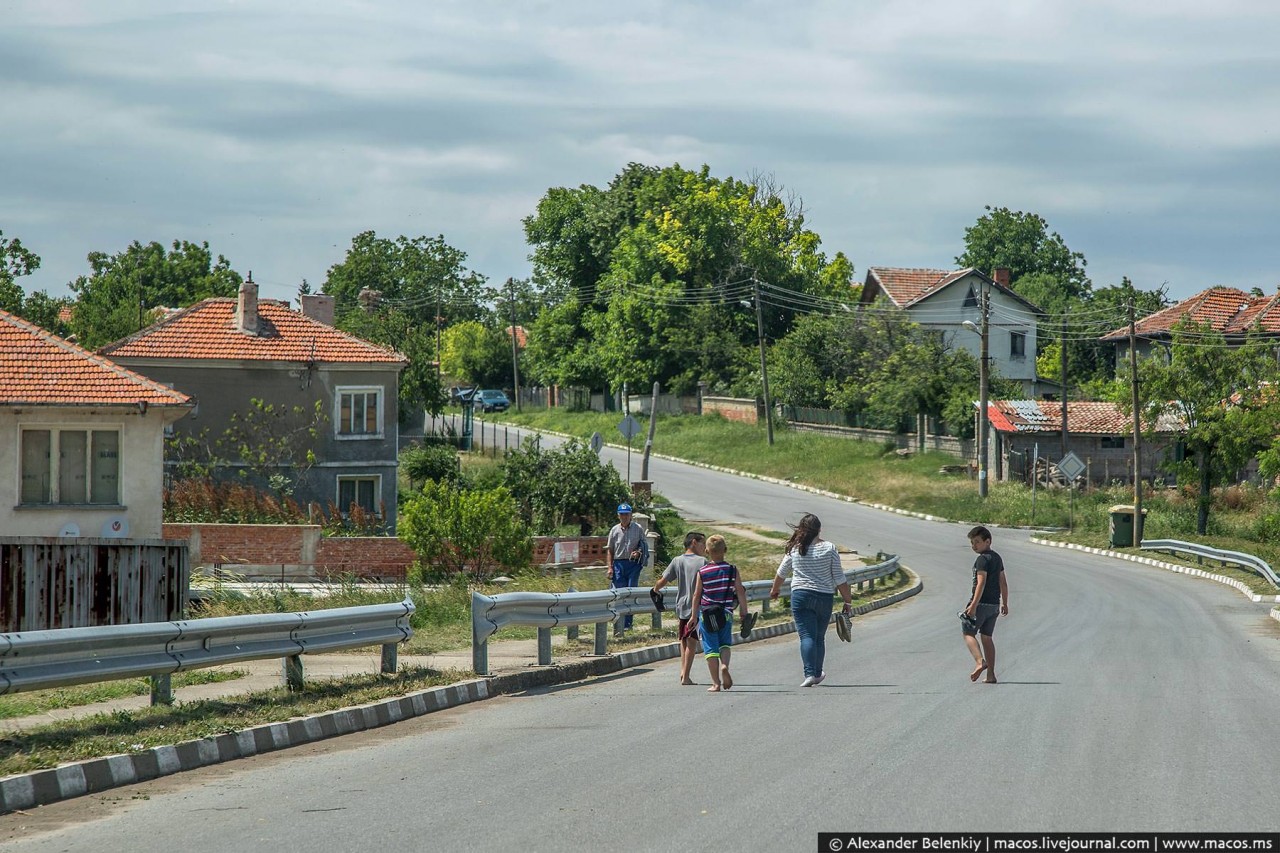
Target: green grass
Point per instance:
(40, 701)
(133, 731)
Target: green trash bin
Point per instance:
(1122, 516)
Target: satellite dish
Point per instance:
(70, 530)
(116, 527)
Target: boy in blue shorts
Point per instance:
(717, 589)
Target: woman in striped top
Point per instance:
(815, 566)
(715, 592)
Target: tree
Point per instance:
(15, 261)
(457, 531)
(1224, 396)
(114, 300)
(651, 278)
(1023, 243)
(391, 327)
(477, 354)
(569, 483)
(424, 277)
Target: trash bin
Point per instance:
(1122, 516)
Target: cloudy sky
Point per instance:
(1145, 132)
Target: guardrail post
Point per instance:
(390, 656)
(602, 638)
(571, 633)
(293, 672)
(657, 620)
(544, 647)
(764, 607)
(480, 656)
(162, 689)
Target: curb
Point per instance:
(777, 481)
(1275, 613)
(1161, 564)
(43, 787)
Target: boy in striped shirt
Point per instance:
(717, 589)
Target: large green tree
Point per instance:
(16, 261)
(652, 277)
(116, 298)
(476, 354)
(1023, 243)
(394, 328)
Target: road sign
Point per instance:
(629, 427)
(1071, 466)
(597, 441)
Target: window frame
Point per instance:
(376, 479)
(56, 472)
(380, 396)
(1020, 337)
(1108, 442)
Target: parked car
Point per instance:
(491, 400)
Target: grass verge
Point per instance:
(134, 731)
(39, 701)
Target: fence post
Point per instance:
(390, 657)
(161, 689)
(293, 672)
(602, 639)
(544, 647)
(571, 633)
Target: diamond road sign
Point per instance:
(597, 441)
(629, 427)
(1071, 466)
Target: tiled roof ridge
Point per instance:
(146, 330)
(47, 337)
(1177, 311)
(330, 330)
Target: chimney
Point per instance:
(247, 307)
(1000, 275)
(318, 307)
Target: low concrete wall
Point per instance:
(744, 410)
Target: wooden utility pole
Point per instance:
(653, 423)
(1137, 430)
(983, 380)
(764, 367)
(1064, 387)
(515, 359)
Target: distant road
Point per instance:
(1131, 699)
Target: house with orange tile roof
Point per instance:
(225, 353)
(943, 300)
(83, 453)
(1228, 310)
(1101, 434)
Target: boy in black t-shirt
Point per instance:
(989, 600)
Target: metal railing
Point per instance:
(1204, 552)
(547, 610)
(35, 660)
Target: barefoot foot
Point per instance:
(990, 679)
(973, 676)
(715, 688)
(687, 682)
(725, 678)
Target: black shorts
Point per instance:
(985, 619)
(688, 628)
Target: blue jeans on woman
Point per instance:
(812, 612)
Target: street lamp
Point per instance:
(981, 331)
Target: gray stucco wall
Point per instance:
(221, 389)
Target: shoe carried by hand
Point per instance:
(748, 622)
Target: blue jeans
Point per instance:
(626, 573)
(812, 612)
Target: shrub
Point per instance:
(435, 462)
(566, 484)
(459, 531)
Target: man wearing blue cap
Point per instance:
(626, 553)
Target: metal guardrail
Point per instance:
(35, 660)
(1204, 552)
(547, 610)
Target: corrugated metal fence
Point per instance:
(80, 583)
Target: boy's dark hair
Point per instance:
(691, 537)
(980, 532)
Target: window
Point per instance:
(971, 299)
(1017, 345)
(70, 466)
(359, 412)
(1111, 442)
(361, 491)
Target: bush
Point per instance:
(459, 532)
(567, 484)
(435, 462)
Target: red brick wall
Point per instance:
(251, 544)
(364, 556)
(732, 408)
(590, 549)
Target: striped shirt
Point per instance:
(818, 570)
(717, 585)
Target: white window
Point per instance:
(70, 466)
(1017, 345)
(361, 491)
(359, 413)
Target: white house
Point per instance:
(83, 440)
(942, 300)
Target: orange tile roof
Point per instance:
(1262, 313)
(40, 368)
(1219, 307)
(1083, 417)
(907, 286)
(207, 330)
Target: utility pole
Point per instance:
(1064, 387)
(983, 379)
(1137, 430)
(515, 361)
(764, 367)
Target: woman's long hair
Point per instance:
(803, 534)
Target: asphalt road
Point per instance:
(1130, 699)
